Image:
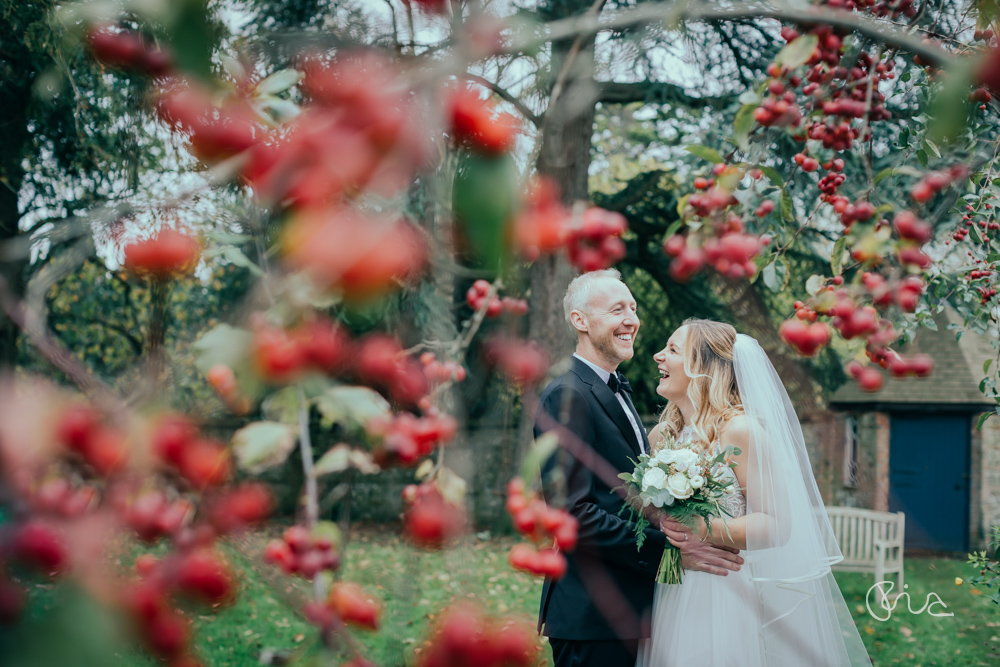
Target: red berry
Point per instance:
(353, 605)
(870, 380)
(168, 254)
(37, 545)
(202, 575)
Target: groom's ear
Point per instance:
(578, 320)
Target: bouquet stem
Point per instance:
(670, 567)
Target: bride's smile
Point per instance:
(673, 384)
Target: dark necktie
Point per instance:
(617, 381)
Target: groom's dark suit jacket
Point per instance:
(607, 591)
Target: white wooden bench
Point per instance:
(871, 542)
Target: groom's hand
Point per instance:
(698, 555)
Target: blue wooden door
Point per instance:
(929, 478)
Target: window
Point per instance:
(852, 451)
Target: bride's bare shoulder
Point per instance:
(736, 431)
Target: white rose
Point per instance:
(662, 457)
(697, 481)
(685, 458)
(679, 486)
(654, 477)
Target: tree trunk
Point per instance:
(15, 94)
(565, 158)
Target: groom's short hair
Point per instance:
(578, 292)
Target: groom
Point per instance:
(596, 614)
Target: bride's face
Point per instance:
(670, 362)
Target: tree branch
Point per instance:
(659, 92)
(880, 30)
(535, 119)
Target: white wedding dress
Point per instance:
(783, 608)
(708, 619)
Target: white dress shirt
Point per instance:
(604, 375)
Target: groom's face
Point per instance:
(612, 321)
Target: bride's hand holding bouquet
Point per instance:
(681, 484)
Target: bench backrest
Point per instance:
(856, 530)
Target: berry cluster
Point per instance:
(935, 181)
(88, 437)
(125, 49)
(199, 575)
(541, 524)
(804, 337)
(465, 637)
(347, 603)
(282, 355)
(430, 521)
(522, 362)
(438, 372)
(596, 244)
(360, 256)
(476, 123)
(544, 225)
(408, 438)
(199, 461)
(867, 377)
(480, 290)
(215, 132)
(779, 108)
(167, 255)
(300, 552)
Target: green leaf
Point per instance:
(770, 277)
(773, 176)
(353, 406)
(673, 228)
(798, 51)
(451, 486)
(950, 108)
(282, 406)
(330, 531)
(814, 284)
(837, 257)
(976, 234)
(193, 37)
(682, 204)
(743, 124)
(933, 147)
(986, 366)
(222, 345)
(343, 456)
(236, 256)
(896, 171)
(263, 445)
(704, 152)
(922, 157)
(279, 82)
(787, 207)
(539, 452)
(484, 199)
(982, 420)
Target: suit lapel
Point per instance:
(614, 409)
(602, 392)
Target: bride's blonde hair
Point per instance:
(708, 361)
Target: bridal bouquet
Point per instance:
(681, 483)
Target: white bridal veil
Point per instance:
(803, 619)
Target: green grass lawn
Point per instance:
(414, 586)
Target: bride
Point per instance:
(784, 606)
